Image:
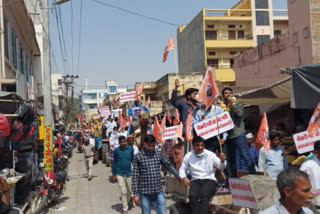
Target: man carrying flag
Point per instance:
(314, 124)
(169, 47)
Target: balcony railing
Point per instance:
(227, 12)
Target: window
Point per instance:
(262, 18)
(231, 26)
(210, 26)
(212, 53)
(240, 34)
(27, 68)
(59, 82)
(22, 62)
(6, 39)
(306, 32)
(92, 106)
(231, 63)
(295, 37)
(213, 63)
(277, 32)
(211, 35)
(112, 89)
(14, 48)
(233, 52)
(262, 39)
(262, 4)
(232, 34)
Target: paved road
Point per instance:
(98, 196)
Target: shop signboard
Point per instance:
(213, 126)
(47, 144)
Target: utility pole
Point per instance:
(68, 81)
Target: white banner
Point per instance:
(242, 194)
(115, 112)
(128, 96)
(170, 133)
(215, 125)
(304, 142)
(95, 116)
(104, 111)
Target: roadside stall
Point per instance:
(19, 157)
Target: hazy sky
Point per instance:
(123, 47)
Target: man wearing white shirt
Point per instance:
(201, 164)
(110, 126)
(312, 167)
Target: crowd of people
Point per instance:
(138, 168)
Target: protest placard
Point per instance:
(304, 141)
(128, 96)
(170, 133)
(115, 112)
(95, 116)
(213, 126)
(104, 111)
(242, 194)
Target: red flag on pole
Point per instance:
(139, 89)
(314, 124)
(148, 102)
(208, 89)
(179, 131)
(156, 132)
(169, 46)
(263, 133)
(169, 117)
(188, 127)
(163, 123)
(176, 119)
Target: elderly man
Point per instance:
(253, 152)
(295, 191)
(273, 161)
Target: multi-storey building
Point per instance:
(214, 36)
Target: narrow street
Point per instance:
(90, 197)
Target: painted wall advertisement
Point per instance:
(47, 144)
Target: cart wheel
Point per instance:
(179, 208)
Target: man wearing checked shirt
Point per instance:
(146, 178)
(275, 159)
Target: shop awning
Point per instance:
(278, 92)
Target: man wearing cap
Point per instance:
(253, 152)
(130, 141)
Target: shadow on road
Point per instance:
(117, 207)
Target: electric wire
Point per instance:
(80, 29)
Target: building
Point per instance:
(20, 52)
(58, 98)
(90, 100)
(261, 65)
(215, 36)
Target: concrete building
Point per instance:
(90, 100)
(58, 98)
(215, 36)
(261, 65)
(19, 51)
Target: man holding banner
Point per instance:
(136, 108)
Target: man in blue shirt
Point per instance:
(122, 171)
(136, 108)
(253, 152)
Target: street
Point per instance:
(90, 197)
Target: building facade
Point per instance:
(261, 65)
(20, 52)
(58, 98)
(215, 36)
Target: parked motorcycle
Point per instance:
(50, 190)
(67, 149)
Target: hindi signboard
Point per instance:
(104, 111)
(242, 194)
(95, 116)
(128, 96)
(48, 155)
(304, 141)
(170, 133)
(213, 126)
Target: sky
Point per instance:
(115, 45)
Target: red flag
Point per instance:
(139, 89)
(78, 116)
(119, 104)
(314, 124)
(163, 123)
(179, 131)
(188, 127)
(120, 117)
(169, 46)
(169, 117)
(208, 89)
(148, 102)
(263, 133)
(156, 132)
(176, 119)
